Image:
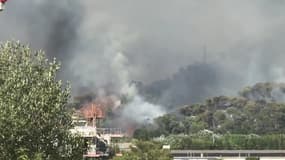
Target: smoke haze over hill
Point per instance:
(108, 43)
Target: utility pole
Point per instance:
(205, 54)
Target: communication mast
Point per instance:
(205, 55)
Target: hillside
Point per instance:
(258, 110)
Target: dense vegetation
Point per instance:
(259, 110)
(225, 115)
(206, 140)
(145, 150)
(34, 119)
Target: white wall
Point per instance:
(272, 158)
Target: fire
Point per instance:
(93, 110)
(97, 108)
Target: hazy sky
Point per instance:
(102, 42)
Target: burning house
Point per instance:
(87, 123)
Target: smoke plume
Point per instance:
(109, 43)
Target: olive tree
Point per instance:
(34, 118)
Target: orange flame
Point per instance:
(92, 110)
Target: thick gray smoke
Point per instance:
(51, 26)
(192, 84)
(154, 39)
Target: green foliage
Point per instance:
(251, 158)
(34, 122)
(269, 92)
(225, 115)
(227, 141)
(255, 120)
(145, 150)
(142, 134)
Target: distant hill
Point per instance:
(258, 110)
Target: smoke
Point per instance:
(137, 109)
(141, 111)
(106, 44)
(160, 38)
(278, 95)
(269, 92)
(191, 84)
